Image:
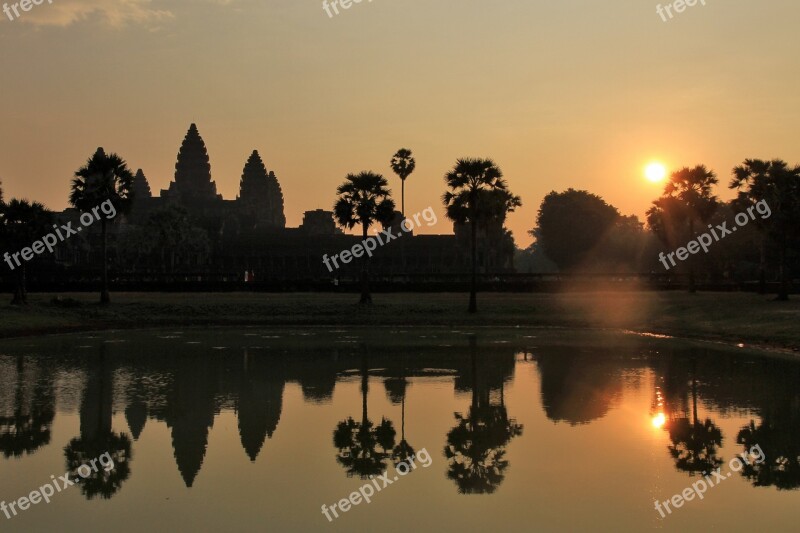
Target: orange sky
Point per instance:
(561, 94)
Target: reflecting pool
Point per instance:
(455, 430)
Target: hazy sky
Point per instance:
(560, 93)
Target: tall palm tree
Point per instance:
(477, 195)
(22, 223)
(777, 184)
(476, 446)
(97, 436)
(103, 178)
(695, 443)
(686, 204)
(364, 199)
(357, 442)
(403, 165)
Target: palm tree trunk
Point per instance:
(762, 266)
(473, 291)
(364, 390)
(692, 287)
(105, 298)
(366, 298)
(403, 198)
(783, 292)
(473, 359)
(19, 290)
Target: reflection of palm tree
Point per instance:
(358, 442)
(476, 446)
(403, 450)
(29, 427)
(98, 438)
(694, 443)
(780, 444)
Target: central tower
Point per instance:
(193, 186)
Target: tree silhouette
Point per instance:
(687, 204)
(398, 387)
(103, 178)
(694, 443)
(476, 446)
(364, 199)
(22, 223)
(568, 244)
(779, 440)
(29, 428)
(403, 165)
(169, 236)
(97, 437)
(777, 184)
(358, 442)
(477, 194)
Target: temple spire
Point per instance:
(260, 194)
(141, 188)
(193, 185)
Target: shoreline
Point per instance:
(716, 318)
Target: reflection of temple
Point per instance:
(260, 402)
(189, 412)
(250, 233)
(189, 387)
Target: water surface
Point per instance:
(255, 429)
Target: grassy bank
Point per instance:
(730, 317)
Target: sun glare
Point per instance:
(655, 172)
(659, 420)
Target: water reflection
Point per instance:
(97, 436)
(28, 408)
(476, 446)
(695, 442)
(187, 386)
(357, 442)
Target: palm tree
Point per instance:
(477, 195)
(22, 223)
(687, 203)
(97, 436)
(399, 386)
(103, 178)
(476, 446)
(694, 443)
(403, 165)
(357, 441)
(777, 184)
(30, 426)
(364, 199)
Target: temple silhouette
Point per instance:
(250, 234)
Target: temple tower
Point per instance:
(193, 186)
(141, 188)
(260, 195)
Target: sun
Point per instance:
(655, 172)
